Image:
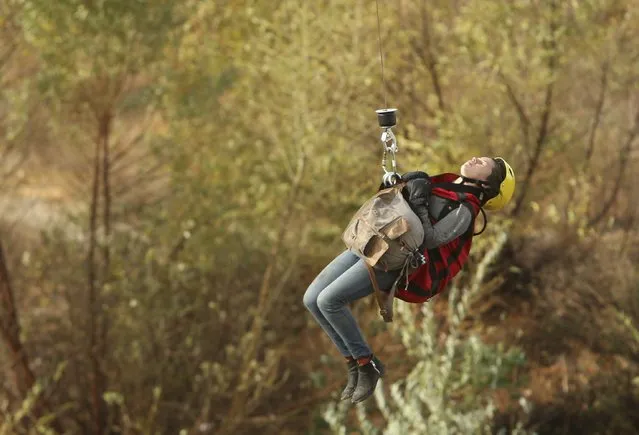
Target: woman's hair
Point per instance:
(494, 180)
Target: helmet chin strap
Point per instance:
(481, 184)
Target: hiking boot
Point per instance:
(352, 380)
(367, 377)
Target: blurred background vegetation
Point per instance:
(175, 173)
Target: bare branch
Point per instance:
(427, 55)
(93, 303)
(597, 116)
(10, 332)
(539, 146)
(148, 176)
(624, 155)
(121, 151)
(524, 121)
(551, 46)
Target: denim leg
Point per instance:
(331, 272)
(333, 302)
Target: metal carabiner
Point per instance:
(389, 140)
(387, 119)
(389, 148)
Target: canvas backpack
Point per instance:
(386, 234)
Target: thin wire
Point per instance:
(381, 56)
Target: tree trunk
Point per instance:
(98, 407)
(23, 377)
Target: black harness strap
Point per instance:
(461, 188)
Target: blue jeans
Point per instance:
(343, 281)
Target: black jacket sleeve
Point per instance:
(417, 193)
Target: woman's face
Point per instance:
(478, 168)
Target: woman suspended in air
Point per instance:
(446, 205)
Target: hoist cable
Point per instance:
(381, 55)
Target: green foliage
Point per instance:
(243, 137)
(12, 420)
(79, 41)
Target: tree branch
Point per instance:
(524, 121)
(597, 116)
(94, 300)
(23, 377)
(427, 56)
(624, 154)
(551, 47)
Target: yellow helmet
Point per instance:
(506, 189)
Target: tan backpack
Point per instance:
(385, 233)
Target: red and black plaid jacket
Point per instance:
(445, 261)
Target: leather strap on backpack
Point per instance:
(384, 300)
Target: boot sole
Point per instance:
(346, 397)
(368, 394)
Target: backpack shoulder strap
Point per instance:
(460, 188)
(463, 201)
